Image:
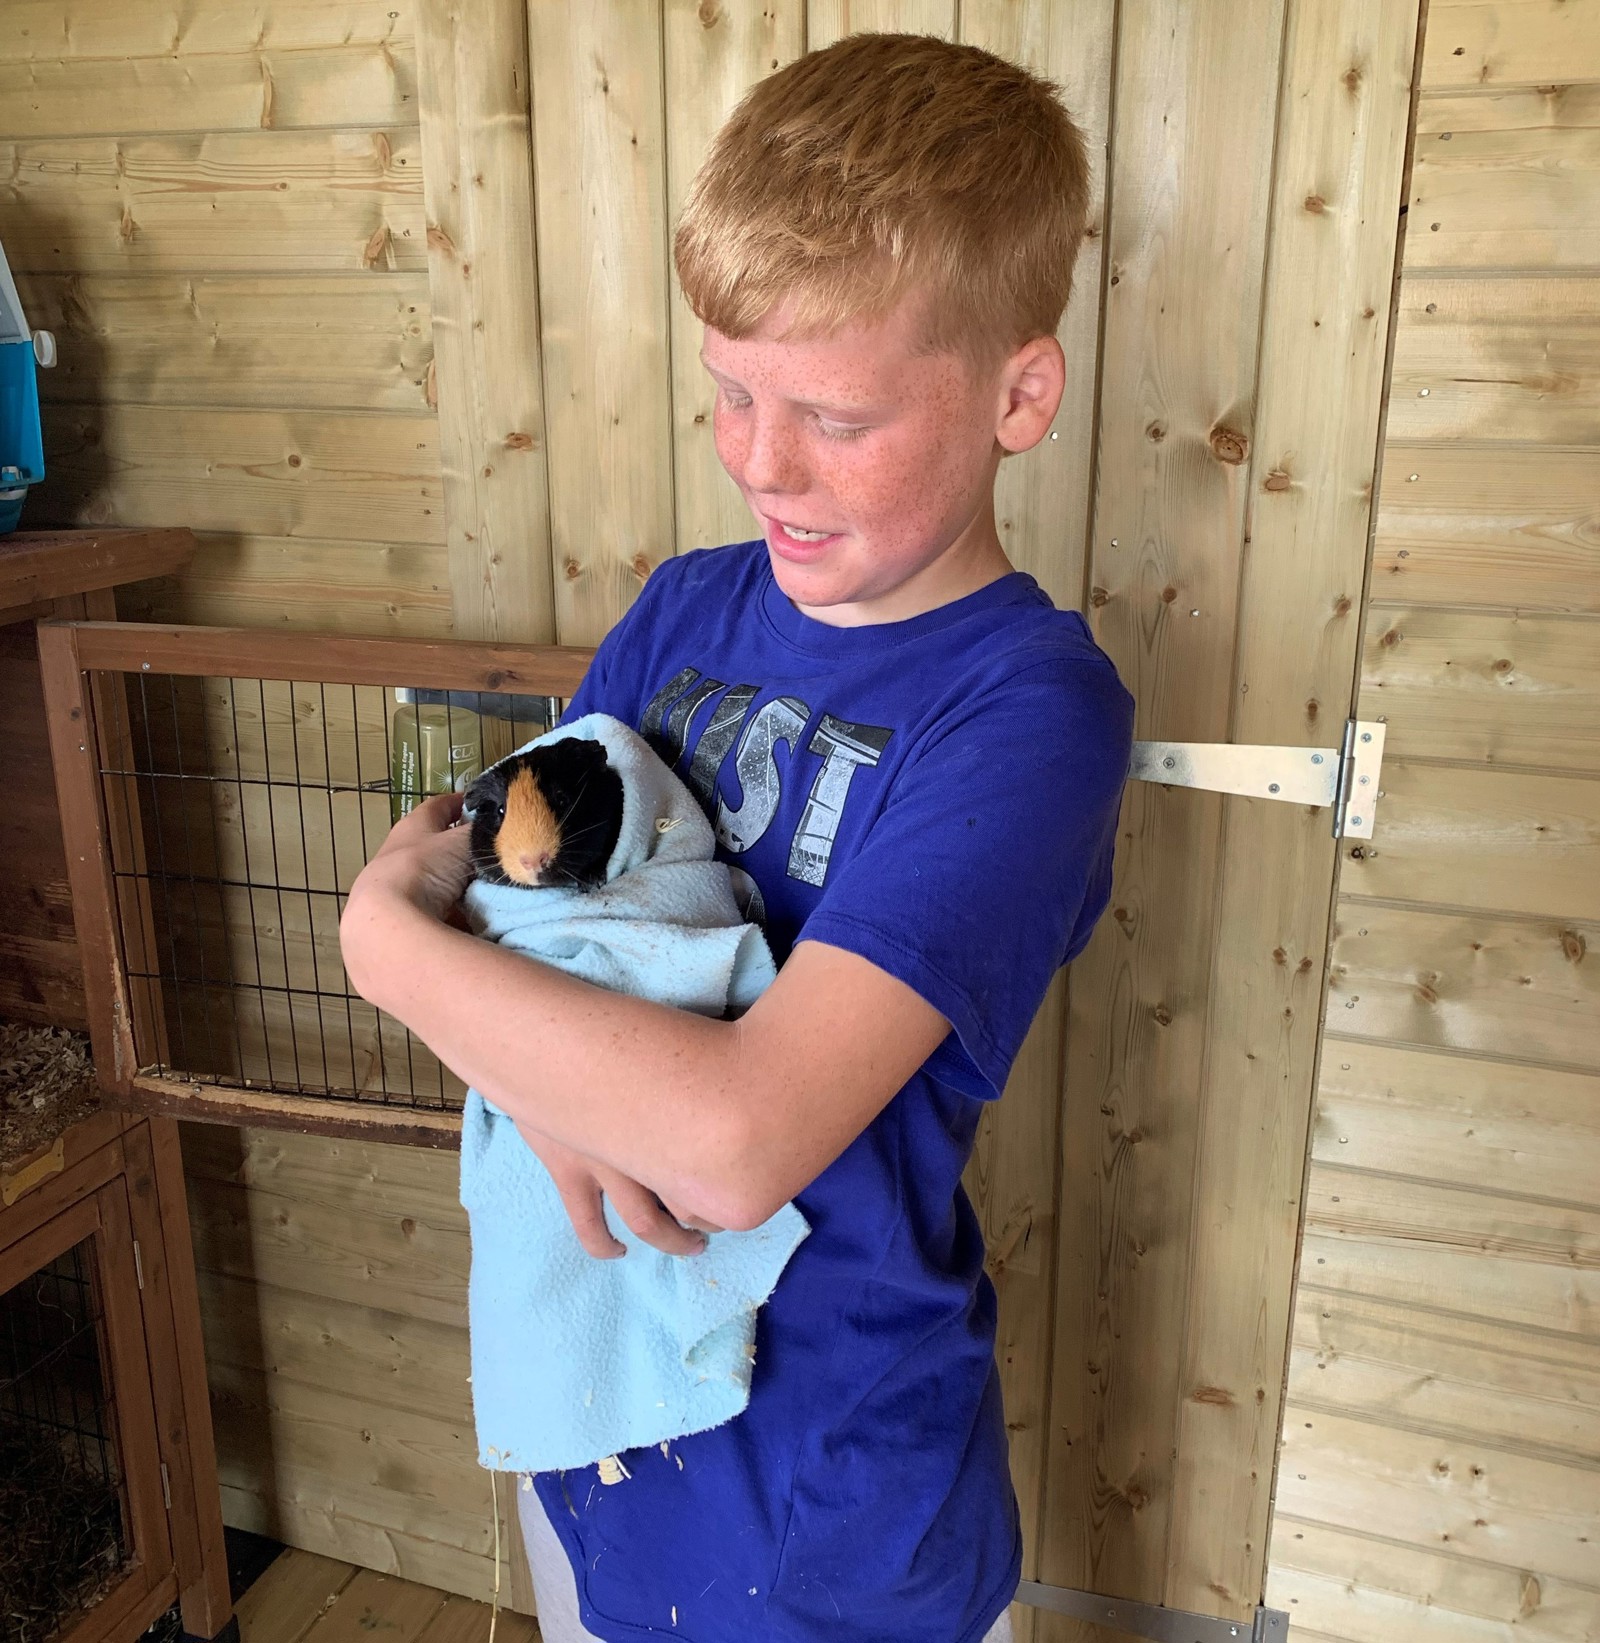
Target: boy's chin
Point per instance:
(815, 584)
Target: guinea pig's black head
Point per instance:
(549, 816)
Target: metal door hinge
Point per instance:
(1154, 1620)
(138, 1264)
(166, 1486)
(1343, 777)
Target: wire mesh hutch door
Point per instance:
(220, 789)
(86, 1543)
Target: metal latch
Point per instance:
(1345, 777)
(1154, 1620)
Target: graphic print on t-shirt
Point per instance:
(845, 747)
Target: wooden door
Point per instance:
(92, 1391)
(1441, 1439)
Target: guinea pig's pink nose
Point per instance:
(534, 864)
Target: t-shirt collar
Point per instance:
(803, 633)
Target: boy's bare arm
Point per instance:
(723, 1120)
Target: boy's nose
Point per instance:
(771, 462)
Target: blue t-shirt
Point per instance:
(939, 795)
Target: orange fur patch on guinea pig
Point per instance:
(530, 835)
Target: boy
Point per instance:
(917, 760)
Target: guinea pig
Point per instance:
(547, 816)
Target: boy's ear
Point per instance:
(1032, 382)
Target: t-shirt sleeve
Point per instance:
(991, 861)
(610, 682)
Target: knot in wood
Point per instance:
(1315, 204)
(709, 13)
(1163, 1015)
(1229, 445)
(1277, 480)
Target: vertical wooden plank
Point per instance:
(72, 753)
(714, 54)
(830, 20)
(1042, 500)
(129, 1377)
(1196, 94)
(125, 837)
(483, 281)
(171, 1307)
(600, 181)
(1042, 512)
(1331, 255)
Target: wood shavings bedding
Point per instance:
(46, 1085)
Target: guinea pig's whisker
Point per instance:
(582, 832)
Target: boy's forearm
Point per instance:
(647, 1089)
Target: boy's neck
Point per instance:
(972, 561)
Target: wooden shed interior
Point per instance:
(1293, 1203)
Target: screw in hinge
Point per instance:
(138, 1264)
(166, 1487)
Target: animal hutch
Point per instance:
(108, 1491)
(1291, 1202)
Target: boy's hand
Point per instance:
(582, 1181)
(425, 858)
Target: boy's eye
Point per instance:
(840, 430)
(735, 402)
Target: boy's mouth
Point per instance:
(794, 541)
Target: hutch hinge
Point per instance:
(1344, 777)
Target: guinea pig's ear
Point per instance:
(582, 753)
(487, 787)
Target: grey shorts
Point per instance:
(556, 1593)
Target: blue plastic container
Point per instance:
(21, 440)
(21, 443)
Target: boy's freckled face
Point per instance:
(889, 453)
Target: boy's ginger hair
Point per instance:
(882, 165)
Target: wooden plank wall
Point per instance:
(1440, 1472)
(268, 272)
(218, 209)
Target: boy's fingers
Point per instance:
(646, 1219)
(433, 815)
(583, 1206)
(683, 1218)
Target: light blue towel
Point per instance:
(575, 1359)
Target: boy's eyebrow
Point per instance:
(809, 404)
